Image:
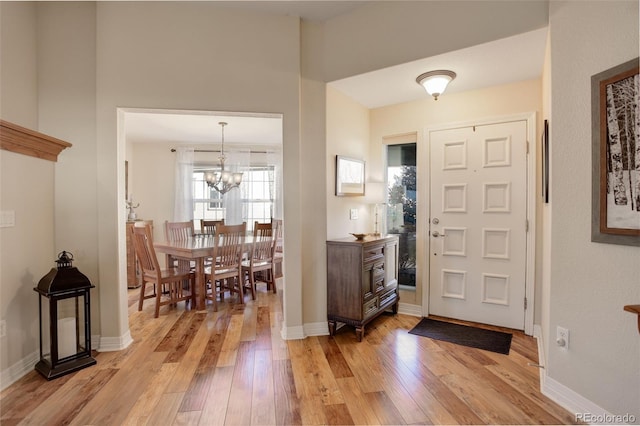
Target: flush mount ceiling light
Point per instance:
(435, 82)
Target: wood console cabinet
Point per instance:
(133, 277)
(362, 280)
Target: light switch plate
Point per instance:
(353, 214)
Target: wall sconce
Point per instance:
(435, 82)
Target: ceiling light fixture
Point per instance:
(223, 181)
(435, 82)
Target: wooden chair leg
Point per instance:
(158, 296)
(142, 291)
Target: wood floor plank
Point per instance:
(114, 401)
(278, 345)
(166, 409)
(241, 392)
(407, 370)
(488, 404)
(250, 314)
(190, 360)
(152, 394)
(263, 329)
(338, 364)
(384, 408)
(217, 399)
(231, 342)
(72, 397)
(320, 380)
(392, 385)
(363, 365)
(286, 399)
(338, 414)
(357, 402)
(263, 404)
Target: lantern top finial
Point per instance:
(65, 260)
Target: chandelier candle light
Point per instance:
(223, 181)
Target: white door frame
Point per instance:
(424, 161)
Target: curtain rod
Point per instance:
(217, 150)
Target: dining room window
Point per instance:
(257, 195)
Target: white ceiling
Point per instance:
(502, 61)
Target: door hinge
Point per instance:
(526, 225)
(527, 147)
(525, 303)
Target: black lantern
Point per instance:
(65, 320)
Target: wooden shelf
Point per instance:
(24, 141)
(634, 309)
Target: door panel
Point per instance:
(478, 223)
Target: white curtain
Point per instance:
(183, 204)
(237, 161)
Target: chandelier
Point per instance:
(223, 181)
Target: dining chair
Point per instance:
(171, 279)
(260, 257)
(178, 231)
(224, 273)
(209, 226)
(278, 250)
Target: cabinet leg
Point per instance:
(359, 333)
(394, 309)
(332, 328)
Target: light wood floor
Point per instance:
(232, 367)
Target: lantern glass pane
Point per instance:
(68, 326)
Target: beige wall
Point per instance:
(590, 282)
(27, 250)
(347, 135)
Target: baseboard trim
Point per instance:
(583, 409)
(292, 333)
(112, 344)
(408, 309)
(18, 370)
(316, 329)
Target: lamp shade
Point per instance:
(435, 82)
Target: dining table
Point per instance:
(197, 249)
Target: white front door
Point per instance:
(478, 213)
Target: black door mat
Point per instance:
(495, 341)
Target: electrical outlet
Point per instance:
(3, 328)
(353, 214)
(562, 337)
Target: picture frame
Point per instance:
(349, 176)
(615, 217)
(545, 162)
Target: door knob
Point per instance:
(435, 234)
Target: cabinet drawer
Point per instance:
(370, 308)
(372, 254)
(387, 297)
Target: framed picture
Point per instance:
(349, 176)
(616, 155)
(545, 161)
